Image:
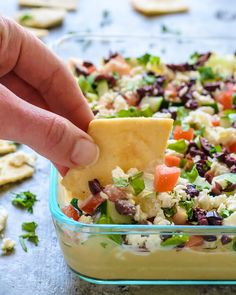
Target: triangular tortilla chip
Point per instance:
(15, 167)
(125, 142)
(6, 147)
(156, 7)
(42, 18)
(66, 4)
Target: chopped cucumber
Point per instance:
(102, 87)
(115, 216)
(153, 102)
(84, 85)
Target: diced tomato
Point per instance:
(215, 122)
(226, 99)
(91, 203)
(179, 133)
(232, 148)
(194, 241)
(114, 193)
(171, 160)
(71, 212)
(165, 178)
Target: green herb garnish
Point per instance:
(25, 199)
(31, 236)
(25, 17)
(74, 203)
(169, 212)
(206, 73)
(148, 59)
(188, 206)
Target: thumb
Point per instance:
(47, 133)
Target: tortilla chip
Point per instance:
(66, 4)
(125, 142)
(42, 18)
(6, 147)
(15, 167)
(39, 33)
(157, 7)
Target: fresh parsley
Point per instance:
(206, 73)
(25, 199)
(148, 59)
(25, 17)
(31, 236)
(169, 212)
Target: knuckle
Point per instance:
(56, 132)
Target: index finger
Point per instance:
(33, 62)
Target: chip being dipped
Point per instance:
(126, 143)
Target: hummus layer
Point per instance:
(114, 262)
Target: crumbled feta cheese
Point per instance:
(202, 99)
(199, 118)
(231, 220)
(161, 220)
(204, 200)
(220, 135)
(8, 245)
(208, 110)
(180, 193)
(139, 214)
(119, 173)
(218, 168)
(231, 203)
(166, 200)
(136, 240)
(153, 242)
(3, 218)
(181, 77)
(86, 219)
(161, 115)
(120, 103)
(132, 171)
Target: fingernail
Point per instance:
(84, 153)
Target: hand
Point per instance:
(40, 103)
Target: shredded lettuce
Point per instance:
(175, 240)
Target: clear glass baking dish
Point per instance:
(89, 249)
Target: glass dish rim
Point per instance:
(96, 36)
(124, 228)
(54, 208)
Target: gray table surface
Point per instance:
(42, 271)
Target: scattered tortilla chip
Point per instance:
(6, 147)
(127, 143)
(15, 167)
(66, 4)
(39, 33)
(42, 18)
(157, 7)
